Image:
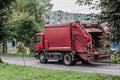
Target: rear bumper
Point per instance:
(96, 57)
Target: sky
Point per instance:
(70, 6)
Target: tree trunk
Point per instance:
(1, 60)
(4, 47)
(30, 49)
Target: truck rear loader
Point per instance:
(68, 43)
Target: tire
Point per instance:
(67, 59)
(42, 58)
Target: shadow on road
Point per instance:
(91, 64)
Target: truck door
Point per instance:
(37, 42)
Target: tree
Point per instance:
(5, 12)
(27, 17)
(47, 4)
(26, 27)
(21, 16)
(94, 4)
(84, 2)
(110, 12)
(1, 60)
(4, 5)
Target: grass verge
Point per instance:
(15, 72)
(13, 52)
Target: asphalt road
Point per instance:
(106, 68)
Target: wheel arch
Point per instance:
(41, 50)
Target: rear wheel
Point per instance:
(67, 59)
(42, 58)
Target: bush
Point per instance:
(21, 48)
(115, 56)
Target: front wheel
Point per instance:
(42, 58)
(67, 59)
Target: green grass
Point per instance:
(15, 72)
(13, 50)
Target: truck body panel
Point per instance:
(58, 38)
(63, 38)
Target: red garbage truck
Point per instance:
(68, 43)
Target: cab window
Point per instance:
(37, 39)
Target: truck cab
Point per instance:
(38, 42)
